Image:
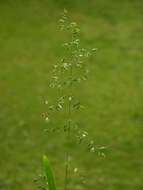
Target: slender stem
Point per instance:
(67, 161)
(67, 167)
(66, 173)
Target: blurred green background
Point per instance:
(29, 45)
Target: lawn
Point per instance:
(30, 42)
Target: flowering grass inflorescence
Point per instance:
(71, 70)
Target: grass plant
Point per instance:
(71, 70)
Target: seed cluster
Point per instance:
(70, 71)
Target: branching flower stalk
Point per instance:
(73, 48)
(71, 70)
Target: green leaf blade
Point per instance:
(49, 174)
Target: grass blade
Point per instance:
(48, 173)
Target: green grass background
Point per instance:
(29, 45)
